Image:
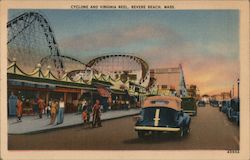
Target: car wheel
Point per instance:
(195, 113)
(187, 129)
(229, 114)
(141, 134)
(181, 132)
(238, 121)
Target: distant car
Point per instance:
(233, 112)
(162, 114)
(214, 103)
(225, 105)
(188, 104)
(201, 104)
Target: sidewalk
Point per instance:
(33, 124)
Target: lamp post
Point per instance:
(238, 82)
(233, 92)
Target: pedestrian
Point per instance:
(48, 110)
(53, 110)
(12, 104)
(84, 105)
(19, 109)
(60, 115)
(96, 114)
(41, 105)
(85, 117)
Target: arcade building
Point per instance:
(30, 86)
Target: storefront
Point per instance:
(30, 86)
(120, 99)
(29, 89)
(104, 93)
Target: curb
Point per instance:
(69, 126)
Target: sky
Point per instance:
(205, 42)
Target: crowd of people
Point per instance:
(55, 110)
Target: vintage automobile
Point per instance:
(225, 105)
(214, 103)
(161, 114)
(201, 103)
(188, 104)
(233, 112)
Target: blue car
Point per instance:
(225, 105)
(162, 114)
(214, 103)
(201, 104)
(233, 112)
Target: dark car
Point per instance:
(233, 112)
(162, 114)
(214, 103)
(225, 105)
(188, 104)
(201, 104)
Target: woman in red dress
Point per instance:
(19, 109)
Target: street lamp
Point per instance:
(233, 92)
(238, 82)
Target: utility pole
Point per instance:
(233, 92)
(238, 82)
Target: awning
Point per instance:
(103, 91)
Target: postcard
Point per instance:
(124, 80)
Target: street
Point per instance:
(210, 129)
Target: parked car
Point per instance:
(225, 105)
(161, 114)
(188, 104)
(214, 103)
(233, 112)
(201, 104)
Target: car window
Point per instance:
(235, 105)
(160, 103)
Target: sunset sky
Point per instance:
(206, 42)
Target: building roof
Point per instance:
(22, 78)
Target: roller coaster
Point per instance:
(31, 41)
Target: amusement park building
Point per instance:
(47, 86)
(169, 80)
(31, 41)
(116, 77)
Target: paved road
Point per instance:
(210, 129)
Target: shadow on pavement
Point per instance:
(15, 122)
(153, 139)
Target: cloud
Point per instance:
(211, 71)
(118, 37)
(211, 66)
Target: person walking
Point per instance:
(85, 117)
(41, 105)
(48, 110)
(60, 115)
(53, 110)
(12, 104)
(19, 109)
(97, 114)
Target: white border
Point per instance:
(243, 6)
